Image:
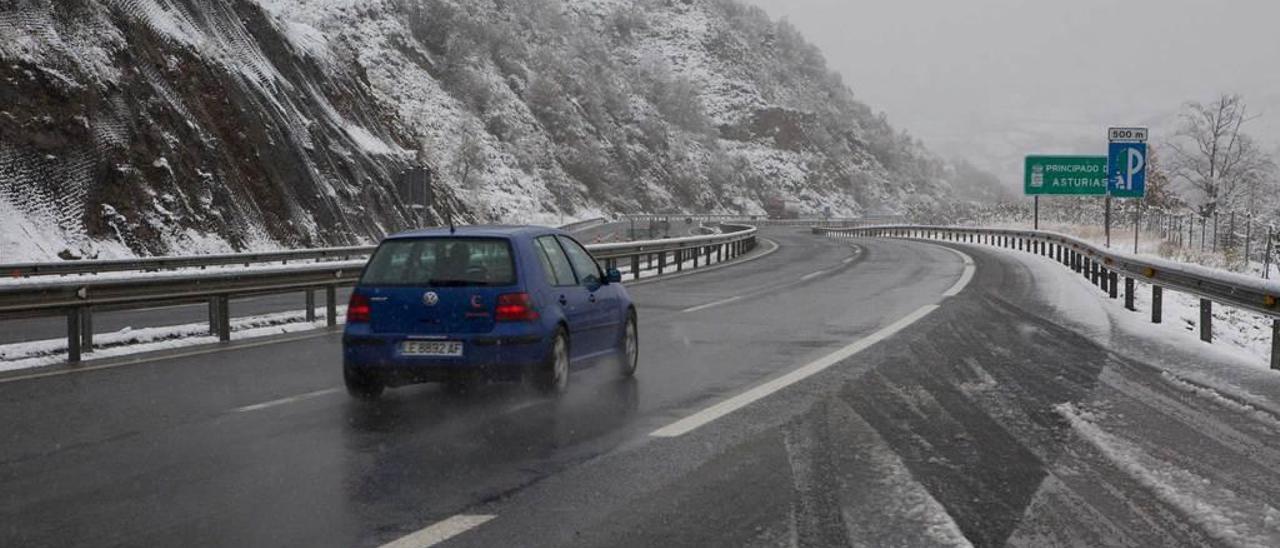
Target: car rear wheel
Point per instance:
(553, 376)
(629, 347)
(362, 385)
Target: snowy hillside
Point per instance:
(166, 126)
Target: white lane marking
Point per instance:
(711, 304)
(440, 531)
(965, 278)
(282, 401)
(808, 277)
(688, 424)
(735, 298)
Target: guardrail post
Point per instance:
(213, 316)
(86, 330)
(635, 266)
(224, 317)
(73, 335)
(330, 305)
(1275, 344)
(662, 262)
(1105, 278)
(1157, 304)
(678, 256)
(1128, 293)
(311, 305)
(1206, 320)
(720, 253)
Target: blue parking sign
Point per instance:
(1127, 170)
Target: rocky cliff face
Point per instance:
(178, 126)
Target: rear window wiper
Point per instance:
(452, 283)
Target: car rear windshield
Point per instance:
(442, 262)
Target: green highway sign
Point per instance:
(1065, 175)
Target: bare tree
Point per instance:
(1160, 193)
(469, 157)
(1216, 158)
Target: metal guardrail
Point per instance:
(584, 224)
(149, 264)
(673, 253)
(77, 298)
(1105, 267)
(757, 220)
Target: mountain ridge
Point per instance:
(175, 126)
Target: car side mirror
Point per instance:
(612, 276)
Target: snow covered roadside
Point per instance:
(1236, 365)
(1191, 433)
(127, 341)
(1238, 329)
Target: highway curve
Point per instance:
(986, 420)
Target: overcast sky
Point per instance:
(993, 80)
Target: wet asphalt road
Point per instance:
(976, 424)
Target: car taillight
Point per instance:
(358, 309)
(515, 307)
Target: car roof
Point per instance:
(478, 231)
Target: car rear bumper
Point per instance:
(493, 355)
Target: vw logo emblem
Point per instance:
(430, 298)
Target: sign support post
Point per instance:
(1106, 216)
(1036, 200)
(1126, 171)
(1137, 222)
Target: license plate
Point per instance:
(431, 348)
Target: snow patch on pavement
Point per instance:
(1218, 511)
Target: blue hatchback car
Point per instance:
(495, 302)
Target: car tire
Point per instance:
(362, 385)
(629, 346)
(553, 376)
